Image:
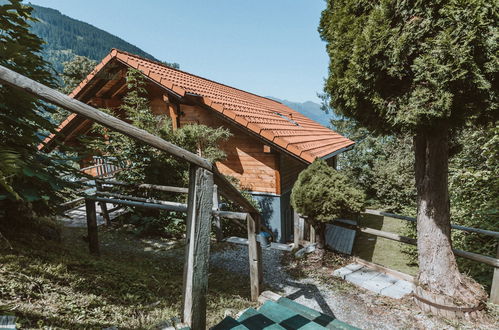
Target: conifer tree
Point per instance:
(424, 69)
(323, 194)
(28, 177)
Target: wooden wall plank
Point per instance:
(246, 159)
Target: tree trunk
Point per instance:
(438, 271)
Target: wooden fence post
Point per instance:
(216, 219)
(254, 252)
(296, 234)
(103, 206)
(199, 209)
(494, 290)
(93, 240)
(311, 233)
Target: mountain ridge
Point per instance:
(66, 37)
(310, 109)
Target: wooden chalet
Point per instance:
(270, 144)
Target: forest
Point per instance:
(66, 37)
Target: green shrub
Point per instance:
(323, 194)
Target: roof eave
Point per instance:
(339, 151)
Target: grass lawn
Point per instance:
(380, 250)
(135, 284)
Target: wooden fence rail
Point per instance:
(494, 262)
(203, 175)
(494, 234)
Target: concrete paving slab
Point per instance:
(374, 281)
(394, 291)
(378, 283)
(405, 285)
(342, 272)
(361, 275)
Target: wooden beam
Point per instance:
(411, 219)
(30, 86)
(112, 91)
(119, 91)
(254, 251)
(173, 111)
(230, 192)
(399, 238)
(162, 205)
(311, 234)
(93, 240)
(216, 218)
(298, 234)
(147, 186)
(103, 205)
(104, 102)
(200, 204)
(494, 290)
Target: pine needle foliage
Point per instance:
(398, 66)
(324, 194)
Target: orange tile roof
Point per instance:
(272, 120)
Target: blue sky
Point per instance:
(268, 47)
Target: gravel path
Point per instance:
(358, 307)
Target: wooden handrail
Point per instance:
(164, 205)
(407, 240)
(146, 186)
(494, 234)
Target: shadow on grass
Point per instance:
(129, 286)
(365, 244)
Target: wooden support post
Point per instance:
(254, 251)
(93, 240)
(311, 234)
(216, 218)
(302, 229)
(103, 205)
(494, 290)
(296, 234)
(200, 203)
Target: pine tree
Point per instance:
(424, 69)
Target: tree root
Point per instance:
(467, 301)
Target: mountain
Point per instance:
(310, 109)
(66, 37)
